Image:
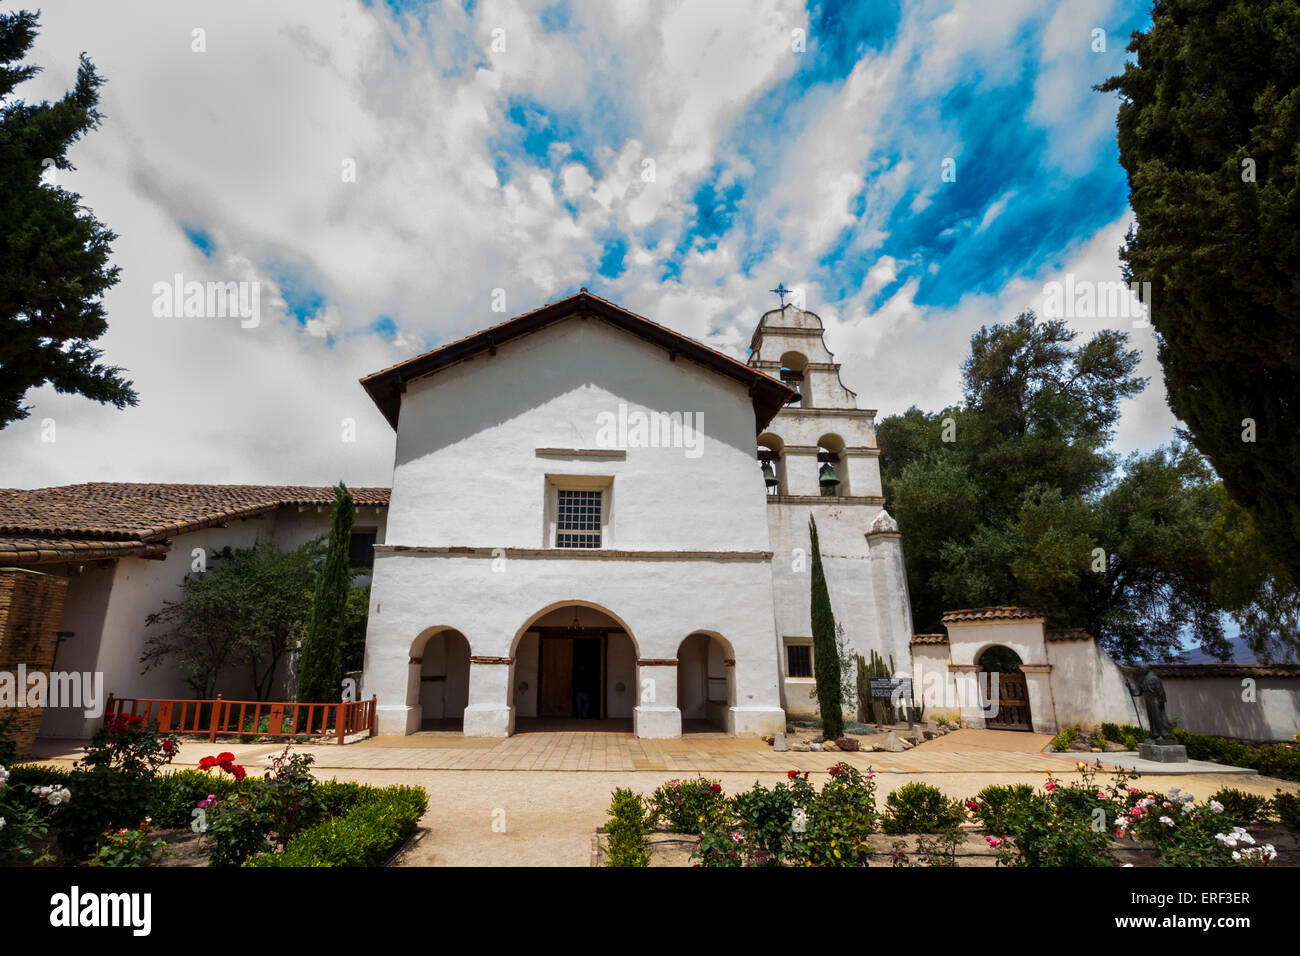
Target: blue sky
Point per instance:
(680, 159)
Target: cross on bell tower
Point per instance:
(782, 291)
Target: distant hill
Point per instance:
(1241, 654)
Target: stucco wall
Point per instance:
(1215, 706)
(472, 473)
(468, 473)
(109, 602)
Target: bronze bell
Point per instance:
(827, 478)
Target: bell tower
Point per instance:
(819, 459)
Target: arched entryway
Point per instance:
(706, 683)
(439, 682)
(1002, 665)
(574, 669)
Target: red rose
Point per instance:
(792, 774)
(835, 769)
(225, 757)
(207, 763)
(168, 745)
(715, 788)
(136, 721)
(238, 771)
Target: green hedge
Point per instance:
(378, 821)
(177, 794)
(1271, 760)
(34, 775)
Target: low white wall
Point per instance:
(1087, 686)
(1222, 706)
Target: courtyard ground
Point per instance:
(537, 799)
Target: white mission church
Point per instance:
(578, 527)
(592, 520)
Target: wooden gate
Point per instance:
(1013, 704)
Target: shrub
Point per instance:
(1063, 740)
(114, 783)
(1272, 760)
(26, 809)
(1286, 807)
(682, 804)
(941, 850)
(176, 795)
(1062, 826)
(1183, 833)
(1241, 808)
(626, 827)
(994, 805)
(921, 808)
(841, 818)
(265, 816)
(337, 798)
(767, 818)
(370, 830)
(128, 847)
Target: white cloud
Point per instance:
(250, 141)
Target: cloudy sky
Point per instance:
(380, 169)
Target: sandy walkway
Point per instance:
(549, 817)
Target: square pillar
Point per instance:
(489, 713)
(965, 678)
(656, 715)
(1042, 708)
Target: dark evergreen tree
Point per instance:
(53, 252)
(826, 655)
(1208, 126)
(320, 673)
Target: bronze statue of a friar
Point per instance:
(1152, 691)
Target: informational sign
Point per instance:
(891, 688)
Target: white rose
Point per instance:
(1216, 806)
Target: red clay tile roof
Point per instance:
(929, 638)
(1069, 634)
(385, 387)
(990, 614)
(121, 519)
(1226, 670)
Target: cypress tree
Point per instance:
(54, 267)
(320, 679)
(826, 655)
(1207, 130)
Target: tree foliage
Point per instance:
(53, 252)
(247, 610)
(1208, 127)
(320, 677)
(826, 657)
(1013, 497)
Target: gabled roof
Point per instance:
(767, 394)
(125, 519)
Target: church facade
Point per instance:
(592, 516)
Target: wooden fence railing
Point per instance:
(219, 717)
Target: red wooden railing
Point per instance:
(232, 717)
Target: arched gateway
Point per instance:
(574, 668)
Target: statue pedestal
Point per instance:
(1162, 753)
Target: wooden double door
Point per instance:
(1013, 704)
(571, 674)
